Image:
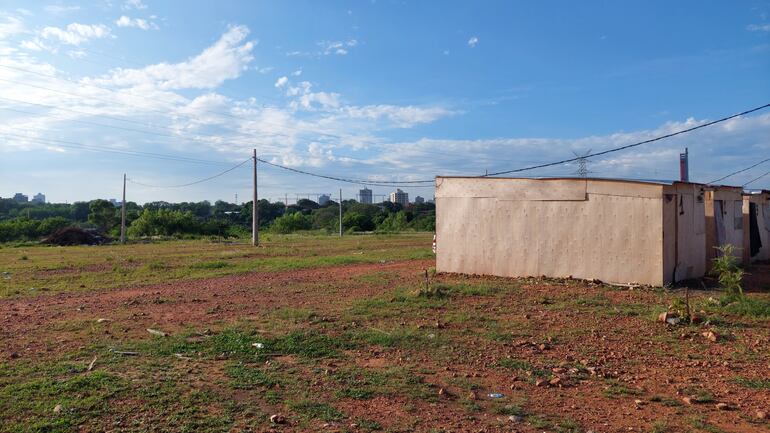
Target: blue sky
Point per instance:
(379, 90)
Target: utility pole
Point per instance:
(255, 208)
(340, 212)
(123, 213)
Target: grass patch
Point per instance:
(520, 365)
(211, 265)
(616, 389)
(315, 410)
(249, 377)
(758, 383)
(27, 403)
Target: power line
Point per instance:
(740, 171)
(404, 184)
(135, 153)
(194, 182)
(628, 146)
(755, 179)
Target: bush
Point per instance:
(291, 222)
(727, 271)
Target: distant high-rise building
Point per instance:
(399, 197)
(21, 198)
(39, 198)
(419, 200)
(365, 196)
(323, 199)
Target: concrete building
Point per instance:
(21, 198)
(399, 197)
(616, 231)
(419, 200)
(756, 209)
(39, 198)
(724, 221)
(323, 199)
(365, 196)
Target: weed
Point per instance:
(758, 383)
(725, 267)
(368, 424)
(517, 364)
(249, 377)
(660, 427)
(616, 389)
(211, 265)
(315, 410)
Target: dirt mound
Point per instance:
(76, 236)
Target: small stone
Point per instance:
(441, 391)
(277, 419)
(540, 382)
(723, 406)
(556, 381)
(472, 396)
(515, 418)
(558, 370)
(761, 414)
(688, 400)
(711, 336)
(15, 355)
(543, 346)
(57, 408)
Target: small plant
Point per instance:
(24, 257)
(727, 271)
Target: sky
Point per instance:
(382, 91)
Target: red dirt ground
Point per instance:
(634, 352)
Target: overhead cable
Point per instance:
(628, 146)
(739, 171)
(194, 182)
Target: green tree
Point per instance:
(102, 213)
(291, 222)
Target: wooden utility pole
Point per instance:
(123, 213)
(340, 212)
(255, 208)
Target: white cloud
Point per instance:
(758, 27)
(296, 73)
(399, 116)
(134, 4)
(337, 47)
(76, 33)
(139, 23)
(281, 82)
(224, 60)
(473, 41)
(10, 25)
(57, 9)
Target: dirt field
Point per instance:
(342, 335)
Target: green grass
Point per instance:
(62, 269)
(758, 383)
(29, 396)
(308, 409)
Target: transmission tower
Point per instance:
(582, 160)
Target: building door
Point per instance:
(755, 240)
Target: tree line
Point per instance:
(27, 221)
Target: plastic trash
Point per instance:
(496, 395)
(258, 345)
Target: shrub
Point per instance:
(727, 271)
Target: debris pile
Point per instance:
(76, 236)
